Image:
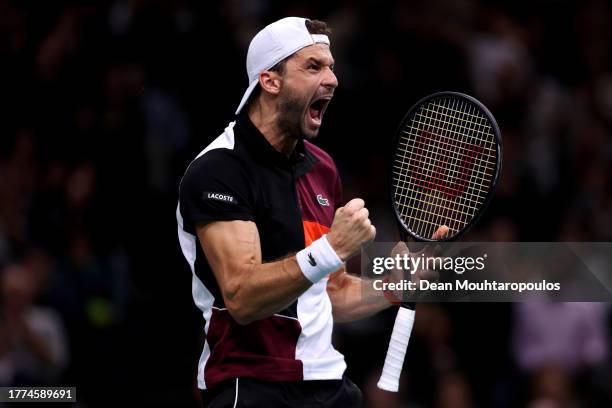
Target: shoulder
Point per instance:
(215, 162)
(218, 171)
(221, 156)
(324, 160)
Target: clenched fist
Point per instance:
(350, 229)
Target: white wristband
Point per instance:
(318, 260)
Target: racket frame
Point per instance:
(400, 337)
(398, 136)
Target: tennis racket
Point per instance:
(445, 164)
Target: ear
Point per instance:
(270, 81)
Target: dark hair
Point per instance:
(318, 27)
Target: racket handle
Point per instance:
(389, 380)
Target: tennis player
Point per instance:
(261, 225)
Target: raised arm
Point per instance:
(253, 290)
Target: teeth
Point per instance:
(318, 107)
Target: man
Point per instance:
(260, 223)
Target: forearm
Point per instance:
(265, 289)
(269, 288)
(254, 290)
(354, 298)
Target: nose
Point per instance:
(330, 80)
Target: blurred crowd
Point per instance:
(106, 102)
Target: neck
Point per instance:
(266, 117)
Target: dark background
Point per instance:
(105, 104)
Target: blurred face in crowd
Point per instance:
(307, 85)
(17, 288)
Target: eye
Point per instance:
(313, 66)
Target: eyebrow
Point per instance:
(319, 61)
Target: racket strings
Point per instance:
(444, 166)
(445, 126)
(454, 171)
(441, 127)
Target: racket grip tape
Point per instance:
(389, 380)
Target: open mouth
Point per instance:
(317, 108)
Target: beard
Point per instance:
(292, 110)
